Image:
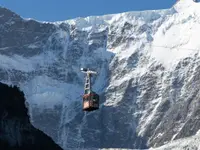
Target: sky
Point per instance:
(58, 10)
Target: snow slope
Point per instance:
(148, 64)
(179, 33)
(182, 144)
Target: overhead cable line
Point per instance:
(24, 31)
(166, 47)
(28, 31)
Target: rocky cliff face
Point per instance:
(148, 64)
(16, 131)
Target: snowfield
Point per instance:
(148, 76)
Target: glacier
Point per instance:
(148, 64)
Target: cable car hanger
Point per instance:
(90, 98)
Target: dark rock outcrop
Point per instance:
(16, 131)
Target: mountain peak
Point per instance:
(7, 13)
(184, 5)
(7, 16)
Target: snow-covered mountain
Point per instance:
(148, 64)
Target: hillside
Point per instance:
(148, 64)
(16, 131)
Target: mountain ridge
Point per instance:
(149, 94)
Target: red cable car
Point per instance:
(90, 98)
(90, 101)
